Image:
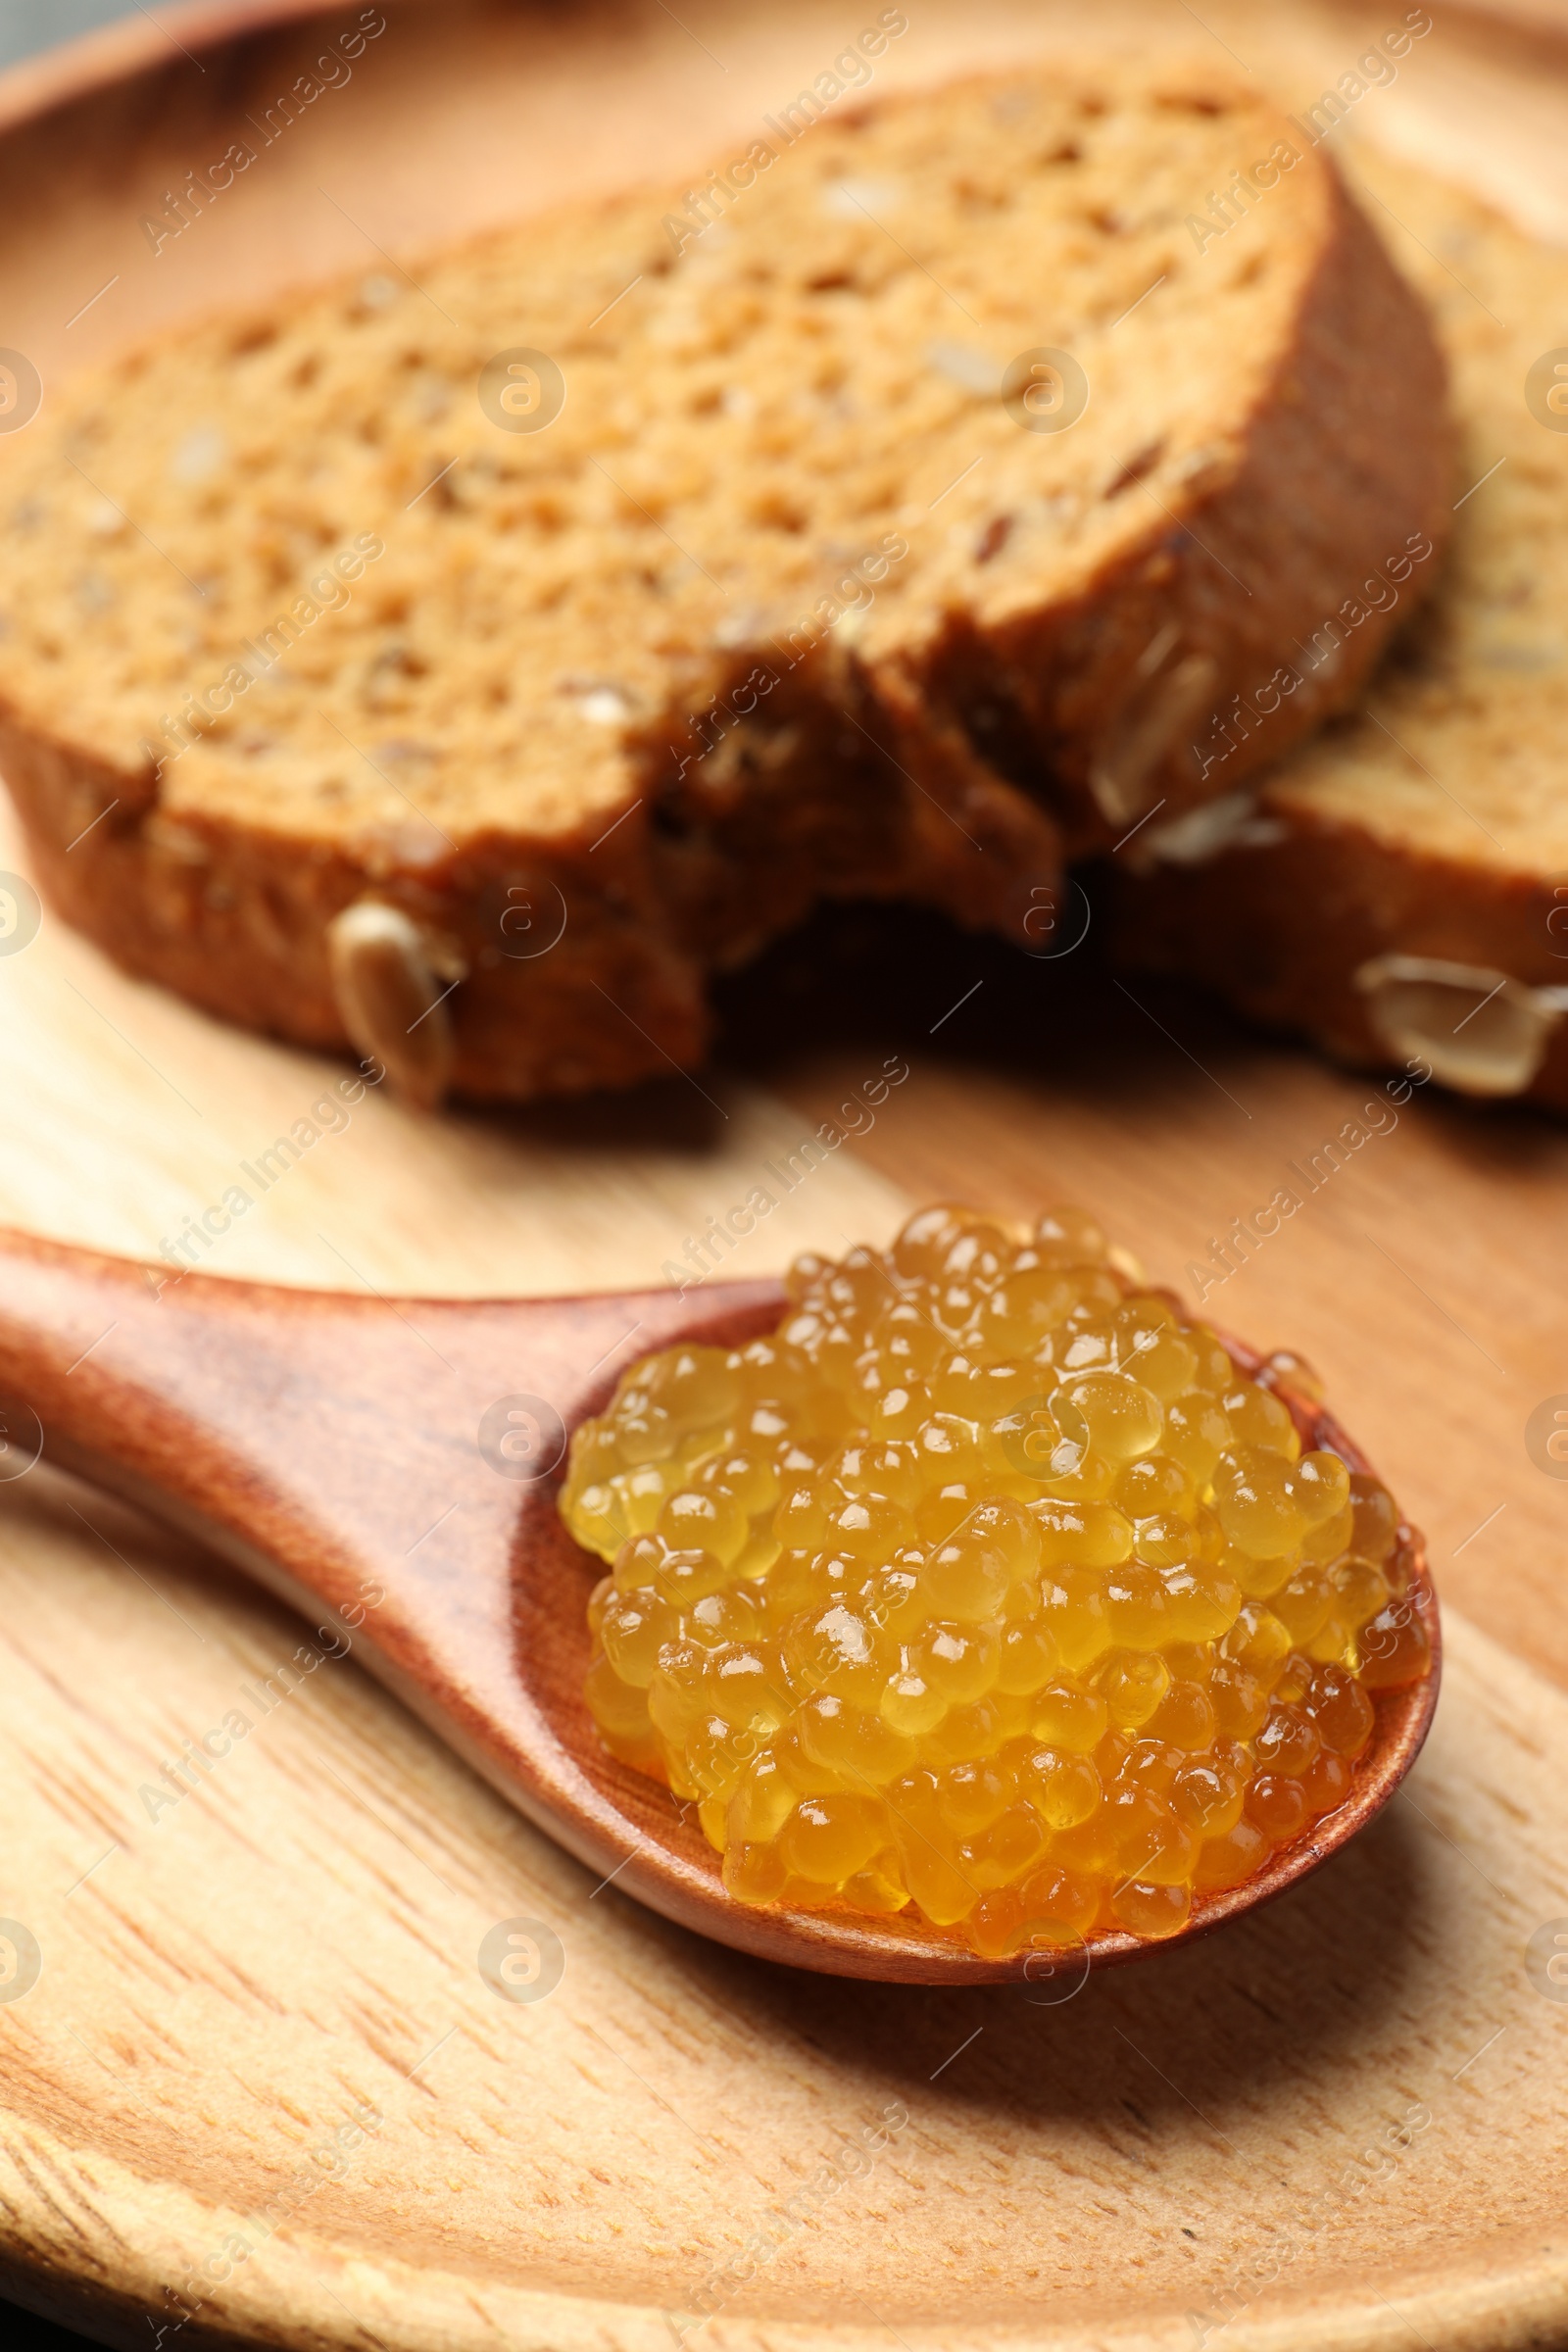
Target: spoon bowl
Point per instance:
(390, 1468)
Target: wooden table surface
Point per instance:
(261, 2069)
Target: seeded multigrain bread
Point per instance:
(1399, 889)
(469, 663)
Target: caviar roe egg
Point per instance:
(987, 1584)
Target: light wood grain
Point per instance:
(221, 1986)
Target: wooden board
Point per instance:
(1174, 2157)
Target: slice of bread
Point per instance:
(467, 663)
(1398, 889)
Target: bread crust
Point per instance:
(584, 961)
(1390, 882)
(1282, 928)
(955, 765)
(1345, 461)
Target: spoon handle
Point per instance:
(327, 1431)
(380, 1464)
(300, 1432)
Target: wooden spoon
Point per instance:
(389, 1467)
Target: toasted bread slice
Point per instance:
(1398, 889)
(468, 666)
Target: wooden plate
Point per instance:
(271, 2074)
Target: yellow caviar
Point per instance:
(987, 1583)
